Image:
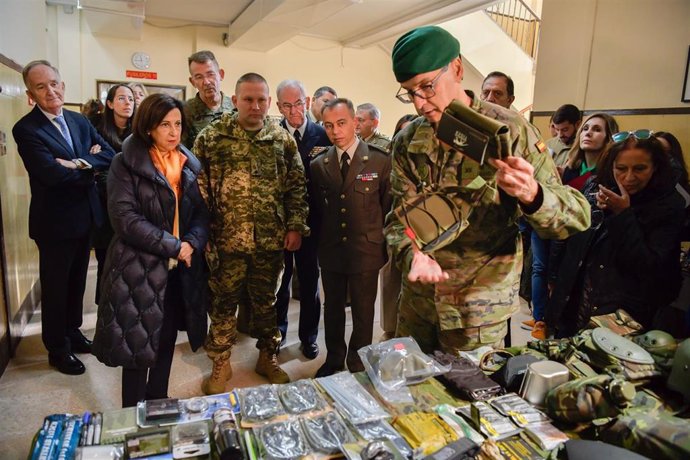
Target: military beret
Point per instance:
(422, 50)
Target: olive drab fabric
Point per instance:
(198, 116)
(484, 262)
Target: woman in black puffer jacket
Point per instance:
(629, 258)
(154, 277)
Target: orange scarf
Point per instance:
(170, 164)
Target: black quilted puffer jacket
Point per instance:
(141, 206)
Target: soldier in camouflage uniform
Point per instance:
(462, 297)
(368, 117)
(209, 103)
(254, 184)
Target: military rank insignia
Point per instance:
(540, 145)
(316, 151)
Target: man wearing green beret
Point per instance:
(460, 296)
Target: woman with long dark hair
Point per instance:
(155, 281)
(114, 127)
(629, 258)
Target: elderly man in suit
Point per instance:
(351, 189)
(60, 150)
(311, 140)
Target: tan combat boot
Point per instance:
(267, 366)
(221, 373)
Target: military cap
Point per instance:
(422, 50)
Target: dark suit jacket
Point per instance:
(64, 202)
(352, 213)
(312, 144)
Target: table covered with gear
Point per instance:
(609, 391)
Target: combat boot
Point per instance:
(221, 373)
(267, 366)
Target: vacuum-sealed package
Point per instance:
(282, 440)
(300, 397)
(398, 362)
(259, 404)
(351, 399)
(327, 432)
(381, 429)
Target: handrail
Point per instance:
(517, 20)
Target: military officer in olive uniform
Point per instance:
(209, 103)
(254, 184)
(351, 190)
(368, 117)
(461, 295)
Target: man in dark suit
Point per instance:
(60, 150)
(311, 140)
(351, 189)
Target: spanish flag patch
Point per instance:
(540, 145)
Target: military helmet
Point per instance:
(657, 342)
(679, 380)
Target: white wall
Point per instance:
(612, 54)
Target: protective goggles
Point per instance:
(639, 134)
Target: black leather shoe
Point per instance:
(328, 369)
(80, 344)
(66, 363)
(310, 350)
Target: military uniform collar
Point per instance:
(229, 126)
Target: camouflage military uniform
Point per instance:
(255, 189)
(484, 262)
(379, 140)
(198, 116)
(559, 151)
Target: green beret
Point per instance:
(422, 50)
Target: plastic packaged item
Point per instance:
(381, 429)
(58, 438)
(109, 452)
(282, 440)
(521, 412)
(488, 420)
(326, 433)
(398, 362)
(457, 423)
(300, 397)
(545, 435)
(378, 449)
(425, 431)
(190, 439)
(351, 399)
(226, 435)
(259, 404)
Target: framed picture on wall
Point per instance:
(686, 81)
(176, 91)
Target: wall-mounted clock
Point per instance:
(141, 60)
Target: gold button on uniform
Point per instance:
(342, 210)
(366, 189)
(344, 239)
(343, 225)
(342, 196)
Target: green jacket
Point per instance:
(198, 116)
(485, 261)
(253, 184)
(379, 140)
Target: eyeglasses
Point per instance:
(639, 134)
(288, 107)
(406, 96)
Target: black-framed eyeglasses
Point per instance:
(406, 96)
(296, 105)
(639, 134)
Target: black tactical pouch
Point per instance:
(466, 378)
(513, 371)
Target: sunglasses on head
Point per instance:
(639, 134)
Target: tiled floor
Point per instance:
(30, 389)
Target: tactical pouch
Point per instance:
(475, 135)
(467, 378)
(611, 353)
(433, 219)
(619, 322)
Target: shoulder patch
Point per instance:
(317, 150)
(540, 145)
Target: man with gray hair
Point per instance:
(60, 150)
(368, 117)
(209, 103)
(311, 139)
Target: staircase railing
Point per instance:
(519, 22)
